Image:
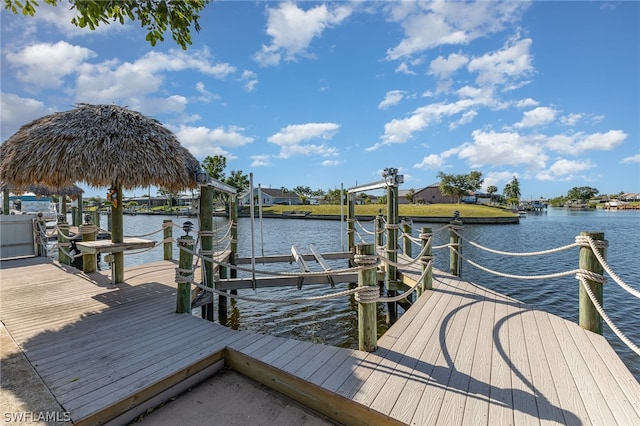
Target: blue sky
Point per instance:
(324, 94)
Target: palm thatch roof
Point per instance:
(72, 191)
(100, 145)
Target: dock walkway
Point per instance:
(461, 355)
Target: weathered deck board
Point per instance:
(462, 354)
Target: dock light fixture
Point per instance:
(201, 177)
(392, 177)
(187, 226)
(456, 215)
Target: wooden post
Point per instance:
(367, 318)
(63, 241)
(391, 274)
(79, 210)
(5, 201)
(95, 218)
(455, 248)
(117, 236)
(406, 241)
(74, 216)
(588, 315)
(233, 218)
(183, 300)
(167, 233)
(89, 261)
(41, 235)
(206, 242)
(351, 222)
(379, 229)
(109, 221)
(426, 238)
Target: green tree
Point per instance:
(214, 166)
(492, 189)
(511, 191)
(238, 180)
(155, 15)
(459, 185)
(582, 193)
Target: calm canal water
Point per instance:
(334, 322)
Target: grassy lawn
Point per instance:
(432, 210)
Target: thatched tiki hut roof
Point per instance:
(102, 146)
(72, 191)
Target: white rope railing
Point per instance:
(581, 274)
(605, 317)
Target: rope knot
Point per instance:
(184, 275)
(367, 294)
(425, 236)
(591, 276)
(587, 241)
(365, 259)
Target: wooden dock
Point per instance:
(461, 355)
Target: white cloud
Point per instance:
(292, 30)
(433, 24)
(526, 103)
(632, 159)
(44, 65)
(505, 66)
(506, 148)
(571, 119)
(564, 170)
(580, 142)
(289, 139)
(393, 97)
(260, 160)
(537, 117)
(431, 161)
(202, 141)
(400, 130)
(250, 80)
(331, 163)
(17, 111)
(130, 83)
(296, 133)
(444, 67)
(498, 179)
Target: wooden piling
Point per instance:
(367, 317)
(89, 261)
(427, 281)
(183, 299)
(117, 236)
(455, 248)
(206, 243)
(406, 241)
(41, 235)
(167, 234)
(79, 210)
(379, 229)
(391, 272)
(74, 217)
(589, 318)
(351, 221)
(63, 241)
(95, 218)
(5, 202)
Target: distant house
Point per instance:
(428, 195)
(270, 196)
